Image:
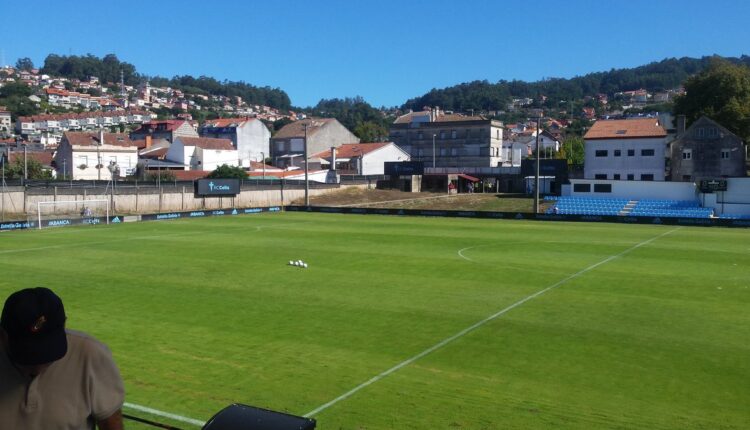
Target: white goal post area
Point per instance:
(66, 212)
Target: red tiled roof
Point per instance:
(226, 122)
(189, 175)
(207, 143)
(283, 173)
(87, 139)
(626, 129)
(297, 129)
(43, 157)
(351, 150)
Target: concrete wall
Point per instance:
(636, 190)
(15, 203)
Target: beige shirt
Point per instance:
(72, 394)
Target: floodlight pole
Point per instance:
(263, 160)
(307, 182)
(536, 175)
(433, 150)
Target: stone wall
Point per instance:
(18, 203)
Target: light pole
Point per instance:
(536, 175)
(113, 169)
(307, 182)
(263, 160)
(433, 150)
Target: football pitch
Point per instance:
(410, 322)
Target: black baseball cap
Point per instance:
(34, 320)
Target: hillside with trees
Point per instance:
(108, 69)
(484, 95)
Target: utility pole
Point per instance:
(307, 182)
(99, 156)
(536, 175)
(25, 165)
(263, 160)
(433, 150)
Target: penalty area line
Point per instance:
(475, 326)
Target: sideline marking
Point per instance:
(477, 325)
(163, 414)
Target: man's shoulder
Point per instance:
(85, 343)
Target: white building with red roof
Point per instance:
(360, 158)
(202, 153)
(626, 149)
(248, 135)
(87, 156)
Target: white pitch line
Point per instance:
(477, 325)
(163, 414)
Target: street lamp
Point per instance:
(307, 182)
(113, 170)
(536, 176)
(433, 150)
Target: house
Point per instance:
(549, 145)
(706, 150)
(288, 144)
(84, 155)
(626, 149)
(43, 157)
(4, 119)
(449, 140)
(249, 136)
(589, 113)
(202, 153)
(168, 129)
(360, 158)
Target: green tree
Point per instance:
(369, 131)
(722, 93)
(228, 172)
(35, 169)
(24, 63)
(572, 150)
(163, 176)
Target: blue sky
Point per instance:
(385, 51)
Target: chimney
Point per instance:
(148, 141)
(680, 125)
(333, 158)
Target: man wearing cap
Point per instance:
(52, 378)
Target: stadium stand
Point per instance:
(625, 207)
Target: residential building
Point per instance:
(44, 157)
(202, 153)
(4, 120)
(288, 144)
(706, 150)
(85, 156)
(249, 136)
(360, 158)
(168, 129)
(627, 149)
(449, 140)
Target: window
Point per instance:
(602, 188)
(687, 154)
(618, 153)
(454, 151)
(420, 135)
(82, 159)
(631, 152)
(468, 133)
(700, 132)
(616, 177)
(601, 153)
(453, 134)
(647, 177)
(443, 152)
(725, 154)
(498, 134)
(600, 176)
(647, 152)
(713, 132)
(420, 152)
(582, 188)
(631, 177)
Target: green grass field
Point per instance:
(645, 327)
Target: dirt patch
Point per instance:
(404, 200)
